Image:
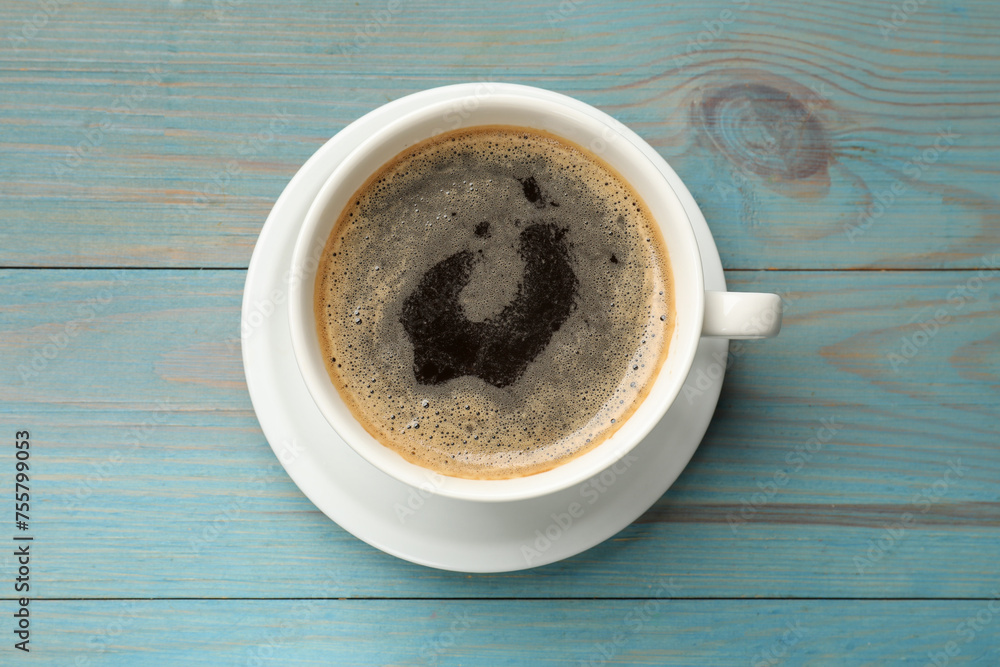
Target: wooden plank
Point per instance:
(145, 135)
(653, 631)
(153, 478)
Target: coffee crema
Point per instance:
(493, 302)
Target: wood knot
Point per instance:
(765, 130)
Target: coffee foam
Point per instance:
(494, 302)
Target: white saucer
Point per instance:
(414, 524)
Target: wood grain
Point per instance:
(160, 134)
(853, 146)
(156, 481)
(652, 631)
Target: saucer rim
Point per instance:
(266, 263)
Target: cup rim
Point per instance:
(329, 203)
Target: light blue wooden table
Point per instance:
(844, 153)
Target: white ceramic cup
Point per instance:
(698, 313)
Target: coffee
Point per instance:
(494, 302)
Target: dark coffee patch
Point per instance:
(448, 345)
(532, 192)
(483, 229)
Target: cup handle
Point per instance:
(741, 315)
